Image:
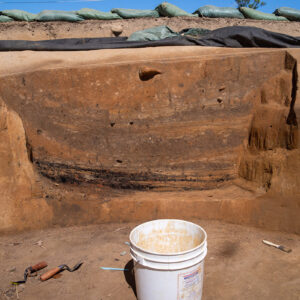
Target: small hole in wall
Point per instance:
(112, 124)
(119, 161)
(130, 123)
(63, 179)
(39, 131)
(146, 73)
(220, 100)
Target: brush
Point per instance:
(280, 247)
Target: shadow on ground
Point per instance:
(129, 276)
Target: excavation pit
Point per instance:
(211, 134)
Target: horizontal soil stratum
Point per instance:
(108, 28)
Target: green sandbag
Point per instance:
(93, 14)
(4, 19)
(166, 9)
(19, 15)
(153, 34)
(58, 15)
(251, 13)
(211, 11)
(135, 13)
(194, 32)
(290, 13)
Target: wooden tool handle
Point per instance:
(39, 266)
(50, 274)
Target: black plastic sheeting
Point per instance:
(233, 37)
(78, 44)
(248, 37)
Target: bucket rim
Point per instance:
(170, 253)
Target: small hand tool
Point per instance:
(280, 247)
(59, 269)
(30, 270)
(114, 269)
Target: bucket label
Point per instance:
(190, 285)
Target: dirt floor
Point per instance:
(106, 28)
(238, 265)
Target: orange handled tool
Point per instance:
(50, 273)
(28, 271)
(59, 269)
(38, 266)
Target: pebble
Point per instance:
(117, 30)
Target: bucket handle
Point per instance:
(140, 261)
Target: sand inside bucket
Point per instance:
(169, 240)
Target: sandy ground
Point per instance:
(100, 28)
(238, 265)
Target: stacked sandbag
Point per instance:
(251, 13)
(58, 15)
(93, 14)
(19, 15)
(291, 14)
(211, 11)
(166, 9)
(4, 19)
(153, 34)
(127, 13)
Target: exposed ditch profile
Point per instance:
(150, 136)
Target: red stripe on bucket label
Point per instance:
(191, 275)
(190, 285)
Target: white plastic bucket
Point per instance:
(168, 259)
